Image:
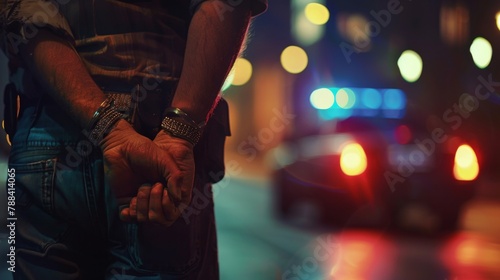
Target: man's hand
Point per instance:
(180, 187)
(152, 204)
(160, 205)
(130, 160)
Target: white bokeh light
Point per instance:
(322, 99)
(481, 52)
(410, 65)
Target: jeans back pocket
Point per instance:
(34, 181)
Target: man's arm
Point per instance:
(130, 158)
(214, 41)
(59, 69)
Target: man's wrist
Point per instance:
(116, 133)
(103, 120)
(179, 124)
(197, 111)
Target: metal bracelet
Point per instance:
(105, 105)
(103, 120)
(188, 132)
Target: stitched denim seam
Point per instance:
(47, 185)
(90, 194)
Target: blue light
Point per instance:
(334, 113)
(394, 99)
(346, 98)
(368, 112)
(393, 114)
(371, 98)
(385, 103)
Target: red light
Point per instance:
(471, 255)
(466, 166)
(403, 134)
(363, 254)
(353, 159)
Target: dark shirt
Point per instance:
(121, 42)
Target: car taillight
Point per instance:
(466, 167)
(353, 159)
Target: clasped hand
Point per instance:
(157, 174)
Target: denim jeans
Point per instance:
(68, 223)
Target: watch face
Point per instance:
(172, 112)
(178, 114)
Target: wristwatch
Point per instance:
(178, 124)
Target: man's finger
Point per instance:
(186, 186)
(125, 215)
(170, 211)
(155, 213)
(133, 208)
(129, 214)
(174, 186)
(143, 203)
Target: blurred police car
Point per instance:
(369, 166)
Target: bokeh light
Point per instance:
(294, 59)
(334, 113)
(358, 253)
(482, 52)
(353, 159)
(394, 99)
(410, 65)
(317, 13)
(466, 166)
(497, 16)
(353, 28)
(304, 31)
(403, 134)
(345, 98)
(322, 99)
(371, 98)
(353, 101)
(242, 71)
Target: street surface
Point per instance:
(253, 245)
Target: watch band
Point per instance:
(102, 121)
(188, 132)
